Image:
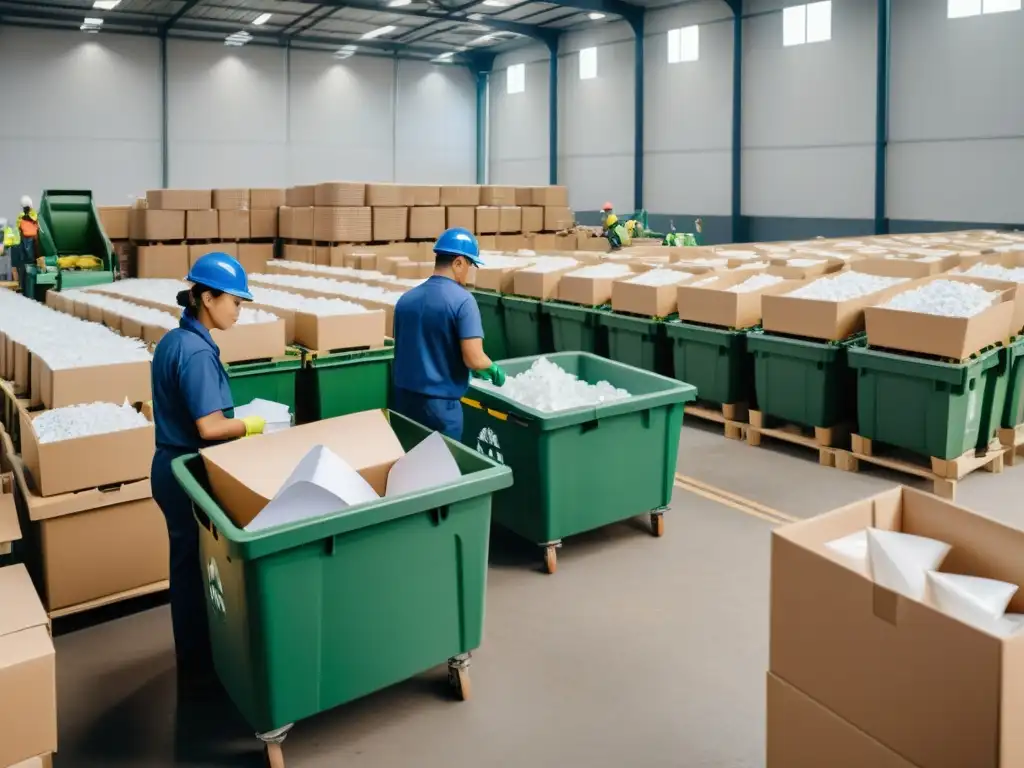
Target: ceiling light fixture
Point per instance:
(595, 16)
(346, 52)
(378, 32)
(399, 3)
(91, 25)
(237, 39)
(106, 5)
(496, 3)
(444, 58)
(262, 19)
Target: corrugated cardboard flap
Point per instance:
(22, 608)
(44, 508)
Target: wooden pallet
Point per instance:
(822, 439)
(130, 594)
(944, 474)
(1013, 441)
(732, 416)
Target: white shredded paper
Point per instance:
(948, 298)
(77, 421)
(997, 272)
(755, 283)
(845, 286)
(661, 277)
(546, 386)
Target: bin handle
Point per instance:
(204, 520)
(439, 515)
(588, 426)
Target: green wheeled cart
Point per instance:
(340, 383)
(714, 360)
(308, 616)
(1013, 411)
(576, 328)
(274, 380)
(527, 326)
(583, 468)
(492, 317)
(638, 341)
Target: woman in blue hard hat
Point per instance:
(190, 397)
(439, 339)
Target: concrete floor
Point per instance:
(639, 652)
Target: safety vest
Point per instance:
(11, 237)
(28, 226)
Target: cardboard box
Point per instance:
(95, 544)
(462, 216)
(542, 243)
(87, 462)
(714, 304)
(303, 253)
(254, 256)
(266, 199)
(804, 734)
(331, 255)
(510, 243)
(340, 194)
(539, 284)
(112, 383)
(650, 300)
(114, 219)
(231, 200)
(488, 220)
(587, 242)
(415, 270)
(342, 225)
(201, 225)
(388, 265)
(28, 677)
(426, 223)
(389, 195)
(424, 194)
(10, 529)
(510, 219)
(285, 219)
(246, 474)
(497, 195)
(921, 266)
(500, 278)
(883, 662)
(301, 196)
(950, 337)
(586, 290)
(557, 218)
(146, 224)
(167, 261)
(460, 195)
(254, 341)
(302, 223)
(487, 242)
(548, 197)
(179, 199)
(524, 196)
(39, 761)
(333, 332)
(234, 224)
(263, 223)
(390, 223)
(817, 318)
(196, 250)
(533, 219)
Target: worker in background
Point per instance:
(8, 242)
(618, 235)
(27, 224)
(191, 398)
(439, 339)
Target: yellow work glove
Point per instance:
(254, 425)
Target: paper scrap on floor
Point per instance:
(323, 483)
(276, 415)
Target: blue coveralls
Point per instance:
(429, 375)
(189, 383)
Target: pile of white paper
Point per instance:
(127, 309)
(275, 415)
(660, 277)
(326, 285)
(76, 421)
(948, 298)
(552, 263)
(602, 270)
(313, 305)
(326, 271)
(845, 286)
(546, 386)
(997, 272)
(755, 283)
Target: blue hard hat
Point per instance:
(222, 273)
(459, 241)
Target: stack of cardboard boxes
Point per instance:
(171, 228)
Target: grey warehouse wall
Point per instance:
(89, 116)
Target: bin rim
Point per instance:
(808, 349)
(255, 544)
(246, 368)
(619, 320)
(920, 367)
(311, 358)
(674, 392)
(679, 329)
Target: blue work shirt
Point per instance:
(430, 322)
(189, 383)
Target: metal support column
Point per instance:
(882, 116)
(164, 153)
(739, 234)
(637, 23)
(553, 111)
(482, 79)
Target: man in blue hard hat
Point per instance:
(439, 339)
(190, 397)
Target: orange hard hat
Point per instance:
(607, 207)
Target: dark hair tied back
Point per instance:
(192, 297)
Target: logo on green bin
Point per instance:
(487, 444)
(216, 588)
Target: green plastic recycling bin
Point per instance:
(714, 360)
(310, 615)
(638, 341)
(582, 468)
(275, 380)
(801, 381)
(576, 328)
(345, 382)
(929, 407)
(492, 317)
(527, 326)
(1013, 411)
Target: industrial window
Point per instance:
(683, 44)
(515, 78)
(811, 23)
(588, 63)
(959, 9)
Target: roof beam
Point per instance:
(631, 13)
(188, 6)
(298, 21)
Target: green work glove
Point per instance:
(493, 374)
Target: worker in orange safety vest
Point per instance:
(27, 225)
